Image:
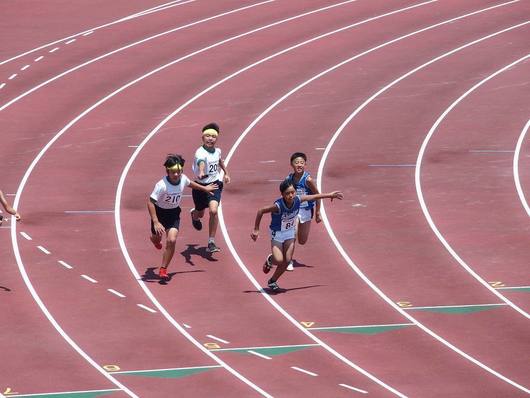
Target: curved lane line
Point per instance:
(423, 205)
(518, 186)
(350, 261)
(127, 18)
(35, 88)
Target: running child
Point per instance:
(8, 208)
(207, 167)
(164, 207)
(304, 185)
(284, 213)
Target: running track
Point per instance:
(416, 284)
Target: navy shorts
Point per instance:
(169, 218)
(201, 199)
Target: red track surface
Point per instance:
(78, 113)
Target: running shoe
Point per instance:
(268, 264)
(290, 266)
(212, 248)
(163, 273)
(273, 285)
(197, 224)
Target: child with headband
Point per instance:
(207, 167)
(164, 207)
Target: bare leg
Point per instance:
(171, 238)
(214, 219)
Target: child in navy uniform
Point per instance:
(207, 167)
(164, 207)
(284, 214)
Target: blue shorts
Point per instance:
(169, 218)
(201, 199)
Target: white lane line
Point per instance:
(25, 67)
(307, 372)
(43, 249)
(361, 326)
(88, 278)
(64, 393)
(267, 161)
(516, 177)
(65, 264)
(353, 388)
(143, 13)
(54, 49)
(116, 293)
(217, 339)
(88, 33)
(2, 85)
(144, 41)
(339, 247)
(258, 354)
(38, 58)
(268, 347)
(146, 308)
(70, 41)
(12, 76)
(421, 198)
(25, 236)
(138, 14)
(453, 306)
(186, 326)
(320, 149)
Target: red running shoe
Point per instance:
(158, 245)
(163, 273)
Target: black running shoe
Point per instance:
(197, 224)
(212, 248)
(273, 285)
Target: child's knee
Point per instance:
(213, 212)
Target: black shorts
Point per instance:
(201, 199)
(169, 218)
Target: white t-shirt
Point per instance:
(211, 164)
(168, 195)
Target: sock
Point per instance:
(211, 240)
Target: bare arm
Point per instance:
(206, 188)
(225, 171)
(312, 186)
(259, 215)
(7, 207)
(159, 228)
(330, 195)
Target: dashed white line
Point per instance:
(64, 264)
(258, 354)
(304, 371)
(39, 58)
(88, 33)
(44, 250)
(25, 236)
(25, 67)
(53, 49)
(2, 86)
(13, 76)
(217, 339)
(353, 388)
(70, 41)
(88, 278)
(116, 293)
(146, 308)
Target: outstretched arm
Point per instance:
(330, 195)
(206, 188)
(261, 211)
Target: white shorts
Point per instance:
(281, 236)
(305, 214)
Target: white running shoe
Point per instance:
(290, 266)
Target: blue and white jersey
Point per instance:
(285, 219)
(302, 189)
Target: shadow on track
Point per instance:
(151, 276)
(193, 250)
(282, 290)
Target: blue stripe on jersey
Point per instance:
(302, 189)
(285, 219)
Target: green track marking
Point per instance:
(457, 309)
(269, 351)
(167, 373)
(516, 288)
(72, 394)
(373, 329)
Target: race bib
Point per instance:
(288, 223)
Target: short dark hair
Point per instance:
(214, 126)
(298, 155)
(173, 159)
(286, 184)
